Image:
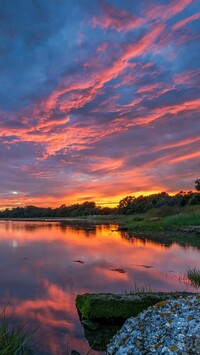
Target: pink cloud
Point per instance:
(190, 78)
(102, 47)
(185, 21)
(76, 95)
(147, 88)
(117, 19)
(165, 12)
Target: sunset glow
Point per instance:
(98, 100)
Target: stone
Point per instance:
(107, 306)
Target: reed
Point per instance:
(193, 275)
(14, 341)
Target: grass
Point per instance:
(139, 289)
(193, 275)
(166, 225)
(182, 219)
(161, 219)
(14, 341)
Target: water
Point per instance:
(44, 265)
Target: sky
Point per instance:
(98, 99)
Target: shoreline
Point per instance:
(43, 219)
(145, 229)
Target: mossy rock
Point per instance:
(98, 339)
(105, 306)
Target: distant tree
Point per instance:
(194, 199)
(197, 184)
(125, 205)
(128, 205)
(126, 202)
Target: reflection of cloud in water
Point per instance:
(41, 273)
(56, 311)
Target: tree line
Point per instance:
(86, 208)
(143, 204)
(128, 205)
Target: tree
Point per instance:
(125, 202)
(197, 184)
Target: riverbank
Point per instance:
(162, 225)
(185, 219)
(182, 227)
(181, 222)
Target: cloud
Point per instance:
(185, 21)
(165, 12)
(99, 100)
(117, 19)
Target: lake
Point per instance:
(44, 265)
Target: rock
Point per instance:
(169, 327)
(98, 339)
(121, 271)
(105, 306)
(155, 219)
(90, 325)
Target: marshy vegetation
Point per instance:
(193, 275)
(14, 341)
(164, 218)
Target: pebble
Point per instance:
(171, 327)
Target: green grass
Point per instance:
(182, 219)
(139, 289)
(166, 225)
(193, 275)
(168, 222)
(162, 219)
(14, 341)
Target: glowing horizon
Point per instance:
(98, 100)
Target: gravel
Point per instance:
(169, 327)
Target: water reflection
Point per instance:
(45, 265)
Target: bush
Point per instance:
(164, 211)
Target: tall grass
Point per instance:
(182, 219)
(139, 289)
(168, 218)
(14, 341)
(193, 275)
